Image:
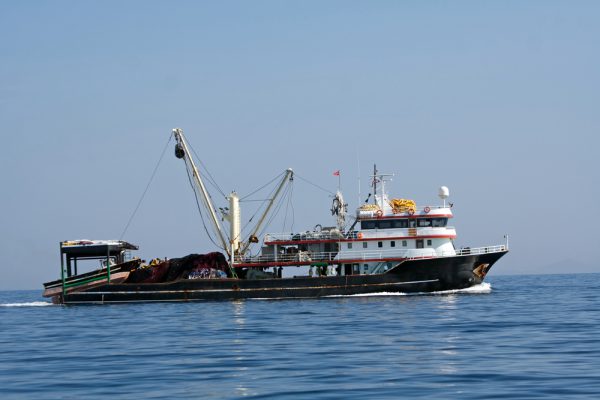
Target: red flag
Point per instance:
(336, 173)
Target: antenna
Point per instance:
(375, 181)
(358, 164)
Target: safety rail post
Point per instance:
(62, 270)
(108, 263)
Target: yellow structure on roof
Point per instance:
(369, 207)
(403, 206)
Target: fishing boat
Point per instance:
(390, 245)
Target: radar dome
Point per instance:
(444, 192)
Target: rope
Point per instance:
(287, 206)
(276, 211)
(146, 190)
(200, 208)
(233, 273)
(209, 178)
(260, 207)
(315, 185)
(262, 187)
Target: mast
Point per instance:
(379, 178)
(375, 182)
(234, 218)
(289, 175)
(181, 151)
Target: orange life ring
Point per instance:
(427, 209)
(379, 213)
(359, 235)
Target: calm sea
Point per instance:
(517, 337)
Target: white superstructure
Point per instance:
(386, 232)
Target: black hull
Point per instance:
(410, 276)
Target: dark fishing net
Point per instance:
(211, 265)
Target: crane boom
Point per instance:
(289, 174)
(183, 152)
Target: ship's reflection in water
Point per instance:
(448, 350)
(240, 371)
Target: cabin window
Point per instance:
(392, 244)
(368, 224)
(428, 242)
(388, 266)
(365, 245)
(412, 223)
(366, 267)
(349, 245)
(355, 269)
(420, 243)
(384, 224)
(404, 243)
(439, 222)
(379, 244)
(423, 222)
(400, 223)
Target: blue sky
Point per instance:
(496, 100)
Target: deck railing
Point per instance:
(288, 237)
(479, 250)
(383, 233)
(308, 257)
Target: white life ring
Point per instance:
(427, 209)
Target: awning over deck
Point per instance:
(94, 248)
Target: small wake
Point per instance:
(374, 294)
(482, 288)
(27, 304)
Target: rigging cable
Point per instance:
(277, 209)
(287, 206)
(210, 177)
(146, 190)
(187, 169)
(200, 207)
(260, 207)
(315, 185)
(262, 187)
(291, 203)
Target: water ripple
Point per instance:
(531, 337)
